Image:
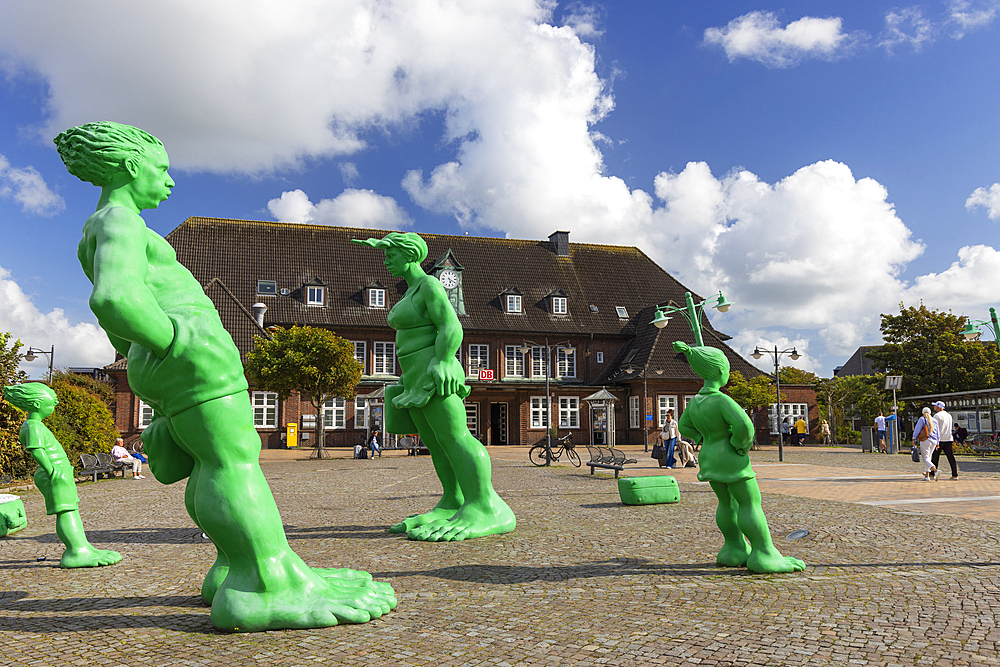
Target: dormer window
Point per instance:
(376, 298)
(315, 295)
(559, 305)
(513, 303)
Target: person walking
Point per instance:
(946, 438)
(373, 445)
(824, 430)
(785, 430)
(880, 430)
(926, 435)
(801, 431)
(669, 435)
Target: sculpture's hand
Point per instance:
(446, 376)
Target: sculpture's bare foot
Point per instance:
(416, 520)
(88, 557)
(471, 521)
(220, 569)
(764, 562)
(289, 594)
(733, 555)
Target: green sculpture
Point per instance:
(428, 401)
(55, 477)
(12, 516)
(182, 362)
(726, 433)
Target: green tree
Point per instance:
(14, 461)
(792, 375)
(751, 395)
(927, 348)
(851, 396)
(314, 362)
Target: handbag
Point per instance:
(658, 452)
(915, 453)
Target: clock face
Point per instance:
(449, 279)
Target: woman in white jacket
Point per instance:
(926, 434)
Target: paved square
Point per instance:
(584, 580)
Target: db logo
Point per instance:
(486, 374)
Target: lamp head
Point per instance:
(30, 356)
(795, 355)
(757, 354)
(524, 349)
(569, 350)
(969, 332)
(723, 305)
(661, 318)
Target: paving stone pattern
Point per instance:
(584, 580)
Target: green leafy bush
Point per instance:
(82, 422)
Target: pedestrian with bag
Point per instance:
(926, 435)
(946, 440)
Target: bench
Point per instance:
(608, 458)
(93, 467)
(986, 449)
(413, 445)
(105, 460)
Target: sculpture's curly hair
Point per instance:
(413, 247)
(28, 396)
(709, 363)
(96, 152)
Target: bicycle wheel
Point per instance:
(537, 455)
(574, 458)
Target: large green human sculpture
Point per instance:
(183, 363)
(428, 401)
(54, 476)
(726, 433)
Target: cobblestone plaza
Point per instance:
(899, 571)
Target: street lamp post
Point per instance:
(971, 331)
(757, 353)
(569, 349)
(691, 312)
(33, 353)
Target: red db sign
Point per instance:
(486, 374)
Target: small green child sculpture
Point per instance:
(726, 433)
(54, 477)
(428, 400)
(184, 363)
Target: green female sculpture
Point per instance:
(54, 476)
(428, 401)
(182, 362)
(726, 433)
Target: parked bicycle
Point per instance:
(537, 453)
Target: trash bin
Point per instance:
(867, 438)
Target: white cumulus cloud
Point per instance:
(760, 36)
(988, 198)
(26, 187)
(966, 286)
(351, 208)
(81, 344)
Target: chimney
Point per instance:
(258, 313)
(560, 243)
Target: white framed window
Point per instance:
(559, 305)
(479, 358)
(565, 363)
(791, 410)
(622, 312)
(360, 413)
(334, 413)
(472, 418)
(315, 295)
(376, 298)
(145, 414)
(267, 287)
(265, 409)
(360, 349)
(385, 359)
(569, 412)
(634, 415)
(687, 399)
(514, 360)
(664, 403)
(600, 357)
(539, 416)
(539, 364)
(513, 303)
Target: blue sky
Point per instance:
(818, 162)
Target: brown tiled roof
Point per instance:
(238, 319)
(240, 252)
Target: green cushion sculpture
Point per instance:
(54, 477)
(12, 516)
(726, 434)
(428, 401)
(183, 363)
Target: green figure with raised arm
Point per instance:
(726, 433)
(428, 401)
(182, 362)
(55, 477)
